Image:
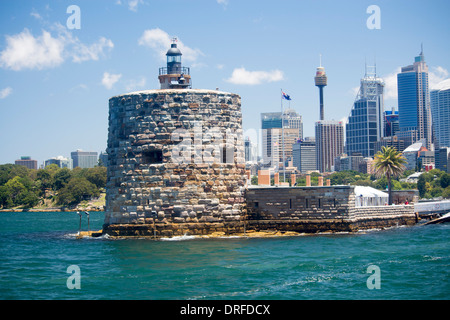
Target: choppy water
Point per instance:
(37, 248)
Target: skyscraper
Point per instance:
(440, 110)
(365, 123)
(27, 162)
(390, 123)
(329, 143)
(304, 155)
(277, 129)
(84, 159)
(414, 100)
(250, 151)
(60, 161)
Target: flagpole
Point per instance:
(282, 135)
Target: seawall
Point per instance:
(284, 210)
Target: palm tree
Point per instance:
(390, 163)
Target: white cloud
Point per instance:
(84, 52)
(5, 92)
(437, 76)
(110, 79)
(25, 51)
(390, 88)
(36, 15)
(159, 41)
(443, 85)
(224, 3)
(242, 76)
(133, 4)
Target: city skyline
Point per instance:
(55, 81)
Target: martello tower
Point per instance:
(321, 81)
(175, 158)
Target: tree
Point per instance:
(76, 190)
(16, 190)
(61, 178)
(97, 176)
(390, 163)
(445, 180)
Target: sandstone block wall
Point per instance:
(299, 203)
(175, 156)
(319, 209)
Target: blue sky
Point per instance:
(55, 82)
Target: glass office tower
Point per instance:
(414, 100)
(365, 123)
(440, 109)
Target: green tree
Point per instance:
(390, 163)
(16, 190)
(61, 178)
(30, 200)
(45, 180)
(445, 180)
(5, 199)
(421, 186)
(97, 176)
(446, 193)
(76, 190)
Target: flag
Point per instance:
(285, 96)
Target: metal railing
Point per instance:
(182, 70)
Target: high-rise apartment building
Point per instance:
(390, 122)
(27, 162)
(329, 143)
(304, 155)
(84, 159)
(440, 110)
(250, 151)
(442, 159)
(60, 161)
(279, 133)
(273, 140)
(365, 122)
(414, 100)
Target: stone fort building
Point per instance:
(176, 156)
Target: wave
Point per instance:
(180, 238)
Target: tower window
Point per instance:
(151, 157)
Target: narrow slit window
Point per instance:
(152, 157)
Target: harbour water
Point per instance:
(36, 250)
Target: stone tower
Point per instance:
(176, 161)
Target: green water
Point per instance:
(37, 248)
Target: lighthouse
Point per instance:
(174, 75)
